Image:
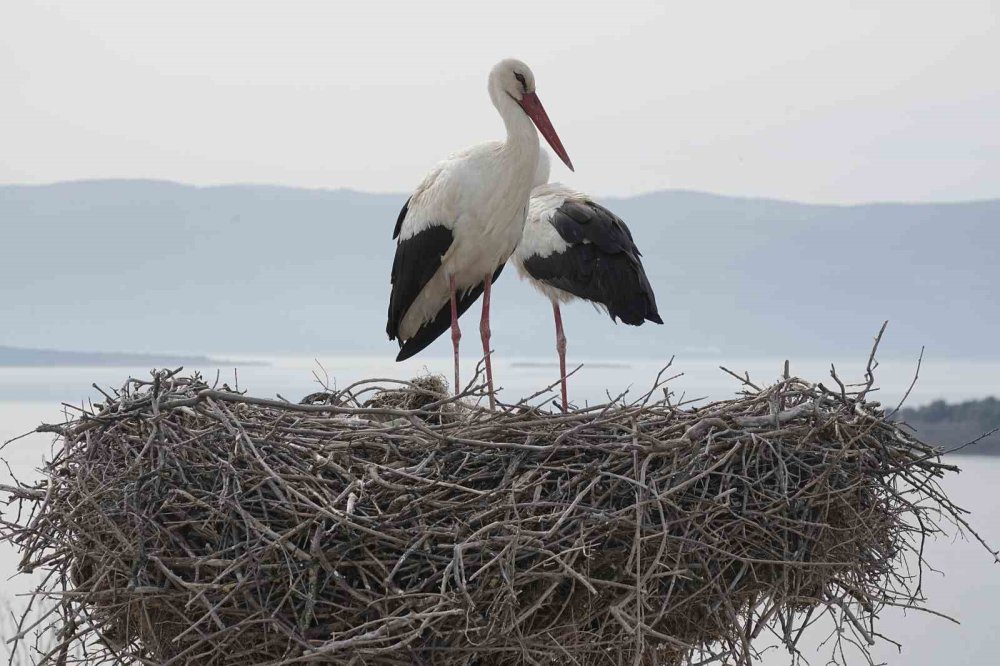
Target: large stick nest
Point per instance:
(181, 523)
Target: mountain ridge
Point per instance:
(26, 357)
(148, 264)
(249, 185)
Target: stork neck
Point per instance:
(521, 134)
(520, 130)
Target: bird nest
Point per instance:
(181, 523)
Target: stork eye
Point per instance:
(520, 78)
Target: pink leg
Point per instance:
(484, 331)
(456, 333)
(561, 348)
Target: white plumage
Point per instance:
(539, 237)
(465, 219)
(479, 195)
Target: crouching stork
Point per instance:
(572, 247)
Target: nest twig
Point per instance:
(181, 523)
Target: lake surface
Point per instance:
(293, 377)
(968, 589)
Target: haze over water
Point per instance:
(700, 377)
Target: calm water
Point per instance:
(968, 590)
(293, 378)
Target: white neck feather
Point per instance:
(522, 138)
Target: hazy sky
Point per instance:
(835, 101)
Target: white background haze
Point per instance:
(820, 102)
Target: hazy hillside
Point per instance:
(17, 357)
(141, 266)
(955, 424)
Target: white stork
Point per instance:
(574, 248)
(464, 220)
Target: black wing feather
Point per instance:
(402, 216)
(417, 260)
(602, 263)
(433, 329)
(579, 221)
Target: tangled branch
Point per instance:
(183, 523)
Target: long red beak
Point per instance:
(533, 107)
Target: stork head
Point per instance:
(513, 78)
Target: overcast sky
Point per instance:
(829, 102)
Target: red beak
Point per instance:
(533, 107)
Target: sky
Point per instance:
(837, 102)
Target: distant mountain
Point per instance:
(955, 424)
(16, 357)
(145, 265)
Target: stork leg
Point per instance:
(561, 348)
(484, 332)
(456, 333)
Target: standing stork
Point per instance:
(574, 248)
(464, 220)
